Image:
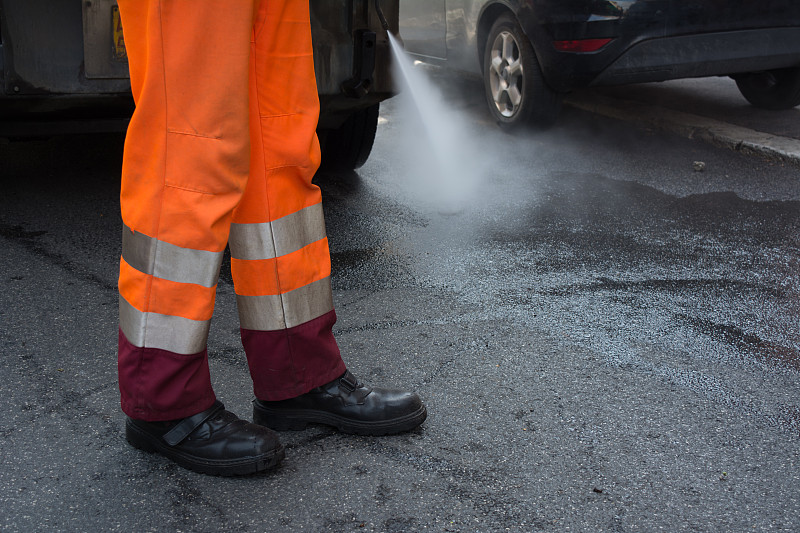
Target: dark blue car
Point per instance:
(531, 52)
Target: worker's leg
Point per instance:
(280, 259)
(281, 263)
(185, 167)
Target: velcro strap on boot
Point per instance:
(175, 436)
(348, 382)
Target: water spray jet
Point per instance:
(446, 167)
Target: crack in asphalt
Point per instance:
(29, 240)
(677, 285)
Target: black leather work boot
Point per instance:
(346, 404)
(215, 442)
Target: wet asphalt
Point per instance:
(606, 338)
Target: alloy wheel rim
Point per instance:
(506, 74)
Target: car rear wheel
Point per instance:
(771, 89)
(348, 147)
(515, 88)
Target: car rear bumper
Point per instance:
(711, 54)
(665, 58)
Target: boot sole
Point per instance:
(299, 419)
(222, 467)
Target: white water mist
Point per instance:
(444, 158)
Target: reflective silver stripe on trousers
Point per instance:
(274, 312)
(152, 330)
(279, 237)
(167, 261)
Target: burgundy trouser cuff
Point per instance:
(290, 362)
(157, 385)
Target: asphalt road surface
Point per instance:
(602, 319)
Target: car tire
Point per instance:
(348, 147)
(514, 85)
(772, 89)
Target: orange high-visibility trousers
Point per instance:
(220, 151)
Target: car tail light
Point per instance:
(581, 45)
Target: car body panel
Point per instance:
(652, 40)
(425, 27)
(43, 50)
